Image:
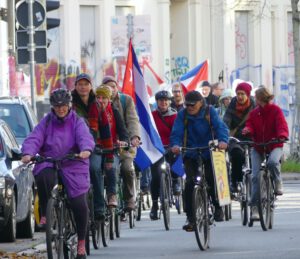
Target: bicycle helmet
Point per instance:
(163, 95)
(60, 97)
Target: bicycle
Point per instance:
(266, 194)
(166, 194)
(61, 237)
(243, 194)
(202, 205)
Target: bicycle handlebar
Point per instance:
(40, 159)
(251, 143)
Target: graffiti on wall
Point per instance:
(179, 66)
(240, 43)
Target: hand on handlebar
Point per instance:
(26, 159)
(222, 145)
(84, 154)
(135, 141)
(175, 150)
(246, 131)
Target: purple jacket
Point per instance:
(54, 137)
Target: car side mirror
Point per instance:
(16, 154)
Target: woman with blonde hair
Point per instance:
(265, 122)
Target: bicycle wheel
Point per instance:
(54, 229)
(272, 204)
(139, 206)
(244, 202)
(201, 217)
(112, 232)
(131, 214)
(227, 211)
(105, 226)
(178, 203)
(96, 233)
(164, 199)
(264, 200)
(117, 223)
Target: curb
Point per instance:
(290, 176)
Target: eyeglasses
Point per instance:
(189, 104)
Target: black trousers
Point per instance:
(191, 169)
(45, 181)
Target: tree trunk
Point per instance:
(295, 136)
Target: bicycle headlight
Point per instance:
(163, 166)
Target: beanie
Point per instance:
(108, 79)
(205, 83)
(244, 87)
(103, 91)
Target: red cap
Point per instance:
(244, 87)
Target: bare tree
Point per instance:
(295, 132)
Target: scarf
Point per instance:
(241, 108)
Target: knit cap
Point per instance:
(104, 91)
(244, 87)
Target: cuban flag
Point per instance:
(152, 148)
(152, 80)
(191, 79)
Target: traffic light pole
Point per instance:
(31, 50)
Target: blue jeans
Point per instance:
(146, 178)
(111, 176)
(273, 165)
(98, 182)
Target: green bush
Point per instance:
(290, 165)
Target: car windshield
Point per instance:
(15, 116)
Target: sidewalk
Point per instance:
(290, 176)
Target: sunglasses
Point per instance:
(190, 104)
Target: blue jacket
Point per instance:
(54, 137)
(199, 132)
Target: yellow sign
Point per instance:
(221, 177)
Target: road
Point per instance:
(228, 239)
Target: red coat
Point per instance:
(266, 123)
(164, 129)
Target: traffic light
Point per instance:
(52, 22)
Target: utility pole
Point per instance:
(296, 41)
(31, 50)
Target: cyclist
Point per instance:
(224, 101)
(59, 133)
(177, 102)
(124, 103)
(86, 106)
(164, 117)
(120, 137)
(266, 122)
(235, 118)
(192, 129)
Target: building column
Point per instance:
(70, 32)
(164, 52)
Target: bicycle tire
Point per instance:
(96, 234)
(131, 218)
(264, 200)
(117, 224)
(139, 206)
(272, 204)
(201, 217)
(105, 226)
(165, 205)
(112, 232)
(244, 202)
(178, 203)
(227, 209)
(87, 240)
(54, 228)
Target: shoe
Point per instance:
(153, 212)
(218, 214)
(130, 205)
(99, 215)
(112, 200)
(278, 188)
(254, 213)
(42, 225)
(81, 254)
(188, 226)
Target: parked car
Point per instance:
(17, 113)
(17, 190)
